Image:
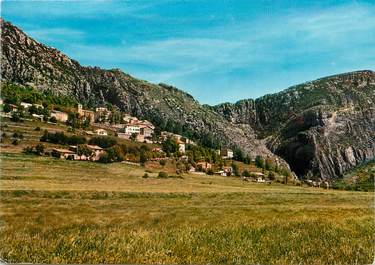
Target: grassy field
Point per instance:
(55, 211)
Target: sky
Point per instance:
(216, 50)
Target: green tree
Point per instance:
(39, 149)
(236, 170)
(143, 157)
(238, 155)
(259, 162)
(246, 173)
(170, 146)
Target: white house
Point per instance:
(26, 105)
(132, 128)
(181, 147)
(226, 153)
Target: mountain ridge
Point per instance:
(293, 121)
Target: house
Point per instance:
(39, 106)
(225, 172)
(123, 136)
(102, 114)
(146, 128)
(63, 153)
(101, 132)
(101, 109)
(260, 180)
(13, 108)
(59, 115)
(132, 128)
(204, 166)
(26, 105)
(97, 152)
(228, 170)
(181, 146)
(90, 115)
(129, 119)
(226, 153)
(38, 117)
(143, 129)
(95, 155)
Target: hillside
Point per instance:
(324, 127)
(321, 128)
(27, 62)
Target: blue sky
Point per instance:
(217, 50)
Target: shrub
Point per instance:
(163, 175)
(145, 176)
(61, 138)
(236, 171)
(103, 141)
(7, 108)
(15, 142)
(28, 150)
(104, 158)
(53, 120)
(16, 117)
(18, 134)
(259, 162)
(143, 158)
(210, 172)
(163, 162)
(39, 149)
(271, 176)
(37, 129)
(246, 173)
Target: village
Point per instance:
(98, 125)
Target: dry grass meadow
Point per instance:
(55, 211)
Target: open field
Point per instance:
(56, 211)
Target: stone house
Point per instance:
(59, 115)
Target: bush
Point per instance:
(246, 173)
(163, 162)
(259, 162)
(18, 134)
(210, 172)
(104, 158)
(16, 117)
(37, 129)
(7, 108)
(103, 141)
(28, 150)
(61, 138)
(271, 176)
(39, 149)
(163, 175)
(53, 120)
(15, 142)
(236, 170)
(145, 176)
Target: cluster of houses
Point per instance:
(73, 153)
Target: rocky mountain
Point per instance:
(27, 62)
(321, 128)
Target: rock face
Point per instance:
(27, 62)
(321, 128)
